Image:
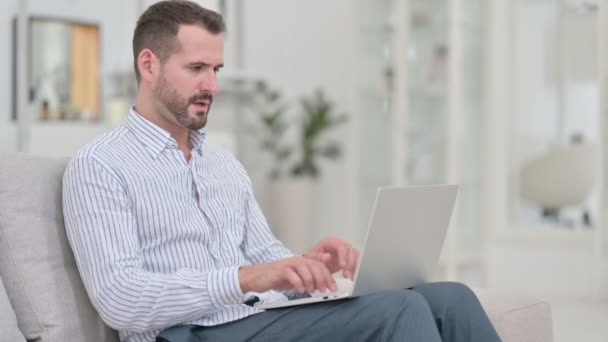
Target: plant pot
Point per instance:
(293, 212)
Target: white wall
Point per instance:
(8, 136)
(563, 266)
(298, 46)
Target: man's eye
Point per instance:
(196, 68)
(216, 70)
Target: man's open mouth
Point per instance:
(202, 103)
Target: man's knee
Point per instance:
(447, 294)
(392, 303)
(455, 289)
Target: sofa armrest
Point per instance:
(516, 317)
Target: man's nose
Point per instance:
(209, 83)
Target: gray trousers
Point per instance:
(430, 312)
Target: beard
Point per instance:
(177, 106)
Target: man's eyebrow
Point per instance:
(205, 64)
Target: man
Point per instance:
(166, 231)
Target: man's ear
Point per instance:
(148, 64)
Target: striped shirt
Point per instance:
(158, 240)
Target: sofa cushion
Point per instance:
(36, 262)
(8, 321)
(516, 317)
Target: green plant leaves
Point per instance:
(316, 119)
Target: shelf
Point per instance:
(546, 235)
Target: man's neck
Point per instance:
(179, 133)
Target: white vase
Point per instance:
(293, 212)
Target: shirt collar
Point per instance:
(156, 139)
(197, 138)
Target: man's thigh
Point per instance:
(359, 319)
(458, 312)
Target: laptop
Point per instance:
(405, 235)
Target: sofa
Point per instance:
(42, 297)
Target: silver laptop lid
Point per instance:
(405, 236)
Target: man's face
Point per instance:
(187, 81)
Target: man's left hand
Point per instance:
(336, 254)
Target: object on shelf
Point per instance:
(563, 177)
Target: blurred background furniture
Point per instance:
(562, 177)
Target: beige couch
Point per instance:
(42, 297)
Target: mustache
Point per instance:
(201, 97)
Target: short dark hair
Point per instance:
(157, 27)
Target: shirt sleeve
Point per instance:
(102, 232)
(259, 244)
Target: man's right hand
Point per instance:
(294, 273)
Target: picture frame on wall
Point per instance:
(62, 69)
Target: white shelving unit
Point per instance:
(601, 245)
(552, 258)
(430, 111)
(601, 237)
(457, 127)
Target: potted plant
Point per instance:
(270, 126)
(296, 144)
(317, 118)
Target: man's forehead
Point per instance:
(196, 42)
(197, 33)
